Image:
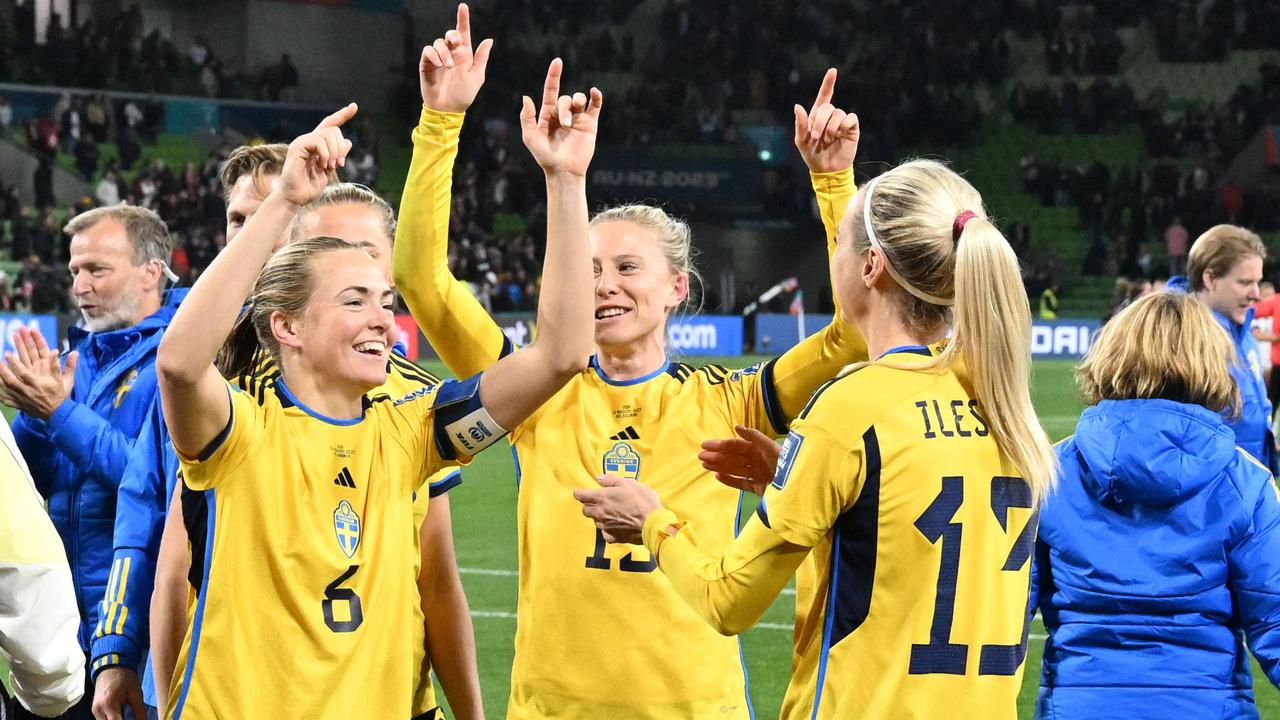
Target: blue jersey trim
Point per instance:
(515, 458)
(827, 625)
(912, 349)
(634, 381)
(284, 390)
(198, 620)
(772, 404)
(742, 658)
(854, 548)
(453, 480)
(508, 347)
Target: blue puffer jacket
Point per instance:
(1160, 546)
(78, 457)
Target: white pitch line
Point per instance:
(512, 616)
(487, 571)
(513, 573)
(764, 625)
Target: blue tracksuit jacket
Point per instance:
(78, 457)
(1158, 559)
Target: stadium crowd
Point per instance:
(121, 53)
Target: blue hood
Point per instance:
(1151, 452)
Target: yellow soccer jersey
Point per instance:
(596, 630)
(912, 602)
(575, 589)
(308, 557)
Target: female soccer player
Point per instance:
(356, 214)
(1161, 546)
(309, 482)
(634, 412)
(904, 489)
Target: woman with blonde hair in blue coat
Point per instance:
(1159, 554)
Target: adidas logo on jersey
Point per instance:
(344, 479)
(628, 434)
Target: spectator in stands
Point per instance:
(6, 114)
(87, 155)
(43, 183)
(108, 191)
(77, 422)
(38, 617)
(97, 118)
(1223, 271)
(130, 148)
(72, 126)
(1175, 245)
(1161, 546)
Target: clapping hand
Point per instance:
(34, 380)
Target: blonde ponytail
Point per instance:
(992, 334)
(970, 280)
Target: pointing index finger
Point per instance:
(827, 91)
(464, 23)
(551, 89)
(338, 118)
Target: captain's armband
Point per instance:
(463, 426)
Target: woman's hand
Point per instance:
(619, 508)
(562, 135)
(747, 462)
(826, 136)
(450, 74)
(312, 157)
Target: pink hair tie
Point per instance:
(957, 227)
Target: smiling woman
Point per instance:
(634, 412)
(1224, 269)
(308, 483)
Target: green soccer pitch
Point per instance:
(484, 527)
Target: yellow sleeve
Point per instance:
(732, 592)
(769, 395)
(819, 476)
(821, 356)
(456, 325)
(229, 450)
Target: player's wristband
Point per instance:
(657, 528)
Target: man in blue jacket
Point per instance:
(77, 424)
(1224, 270)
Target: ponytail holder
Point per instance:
(957, 227)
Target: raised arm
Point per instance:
(462, 333)
(169, 599)
(562, 138)
(194, 395)
(827, 138)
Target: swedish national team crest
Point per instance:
(622, 460)
(346, 524)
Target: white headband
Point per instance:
(875, 243)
